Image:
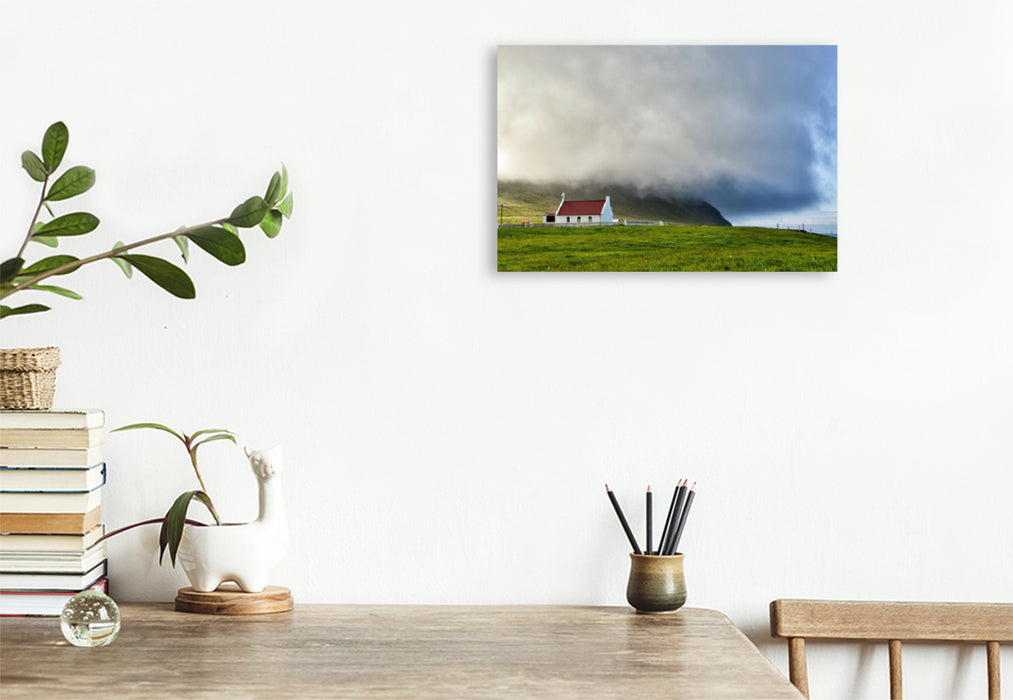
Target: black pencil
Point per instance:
(680, 498)
(682, 518)
(670, 546)
(668, 520)
(650, 517)
(622, 520)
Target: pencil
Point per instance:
(680, 503)
(650, 517)
(683, 517)
(622, 520)
(680, 498)
(668, 520)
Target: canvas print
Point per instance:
(667, 158)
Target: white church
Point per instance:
(592, 211)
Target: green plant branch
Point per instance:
(190, 444)
(68, 267)
(31, 226)
(219, 238)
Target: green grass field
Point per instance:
(661, 248)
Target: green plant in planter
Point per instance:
(175, 518)
(219, 237)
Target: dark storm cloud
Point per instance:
(750, 128)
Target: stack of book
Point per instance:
(51, 478)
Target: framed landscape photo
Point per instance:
(667, 158)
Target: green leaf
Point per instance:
(230, 228)
(219, 243)
(249, 213)
(274, 191)
(51, 241)
(218, 433)
(153, 426)
(9, 269)
(33, 166)
(284, 179)
(127, 268)
(175, 519)
(184, 247)
(62, 291)
(69, 225)
(211, 430)
(47, 264)
(271, 225)
(6, 311)
(54, 145)
(213, 438)
(164, 274)
(72, 183)
(286, 206)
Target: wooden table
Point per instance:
(394, 651)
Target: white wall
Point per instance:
(448, 429)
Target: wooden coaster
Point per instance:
(230, 599)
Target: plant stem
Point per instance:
(144, 522)
(192, 451)
(108, 254)
(193, 461)
(31, 226)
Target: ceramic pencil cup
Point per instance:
(656, 584)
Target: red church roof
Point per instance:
(576, 207)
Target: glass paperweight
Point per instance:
(90, 619)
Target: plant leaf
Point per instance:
(153, 426)
(127, 268)
(54, 145)
(51, 241)
(274, 190)
(219, 243)
(6, 311)
(164, 274)
(33, 166)
(286, 206)
(175, 519)
(230, 228)
(284, 179)
(271, 224)
(72, 183)
(163, 537)
(249, 213)
(9, 269)
(47, 264)
(213, 438)
(184, 247)
(69, 225)
(62, 291)
(211, 430)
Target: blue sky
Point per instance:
(751, 129)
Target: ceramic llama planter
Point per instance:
(245, 553)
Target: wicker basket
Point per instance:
(28, 377)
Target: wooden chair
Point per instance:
(799, 620)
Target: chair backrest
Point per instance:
(891, 622)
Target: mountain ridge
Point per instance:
(519, 201)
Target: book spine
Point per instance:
(50, 485)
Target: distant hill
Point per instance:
(526, 201)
